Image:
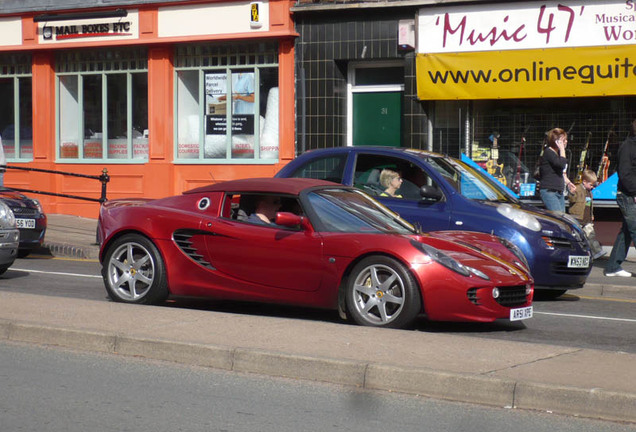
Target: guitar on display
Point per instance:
(493, 168)
(516, 182)
(582, 160)
(603, 166)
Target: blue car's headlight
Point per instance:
(442, 258)
(520, 217)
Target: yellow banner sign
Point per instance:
(559, 72)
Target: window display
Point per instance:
(205, 109)
(16, 118)
(108, 118)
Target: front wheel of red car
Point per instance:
(134, 271)
(381, 292)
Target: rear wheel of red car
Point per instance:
(134, 271)
(381, 292)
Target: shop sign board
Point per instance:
(213, 19)
(560, 72)
(526, 25)
(89, 29)
(527, 50)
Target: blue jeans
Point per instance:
(626, 235)
(554, 201)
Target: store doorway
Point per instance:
(376, 93)
(377, 119)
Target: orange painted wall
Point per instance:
(159, 176)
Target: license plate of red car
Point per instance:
(520, 313)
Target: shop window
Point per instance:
(103, 106)
(521, 126)
(16, 121)
(217, 86)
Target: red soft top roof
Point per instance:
(292, 186)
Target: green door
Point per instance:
(377, 118)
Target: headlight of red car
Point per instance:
(443, 259)
(515, 250)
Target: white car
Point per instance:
(9, 238)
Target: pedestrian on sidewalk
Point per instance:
(582, 208)
(626, 200)
(553, 165)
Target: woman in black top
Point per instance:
(552, 171)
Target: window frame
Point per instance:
(192, 58)
(16, 72)
(99, 67)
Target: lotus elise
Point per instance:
(309, 243)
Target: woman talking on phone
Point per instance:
(552, 168)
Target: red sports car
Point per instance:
(311, 243)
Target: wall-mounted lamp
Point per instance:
(117, 13)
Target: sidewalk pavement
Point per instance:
(573, 381)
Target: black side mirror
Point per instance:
(430, 193)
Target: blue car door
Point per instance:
(370, 174)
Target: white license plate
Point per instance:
(578, 261)
(25, 223)
(520, 313)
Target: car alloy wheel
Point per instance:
(381, 292)
(133, 271)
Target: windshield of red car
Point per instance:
(343, 210)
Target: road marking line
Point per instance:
(586, 316)
(56, 273)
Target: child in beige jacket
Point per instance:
(582, 208)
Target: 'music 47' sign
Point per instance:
(530, 25)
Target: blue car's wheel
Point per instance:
(134, 272)
(381, 292)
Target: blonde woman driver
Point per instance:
(391, 182)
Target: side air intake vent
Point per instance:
(183, 239)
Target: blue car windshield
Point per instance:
(468, 181)
(348, 210)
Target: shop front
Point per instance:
(503, 74)
(165, 96)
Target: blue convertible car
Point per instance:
(441, 193)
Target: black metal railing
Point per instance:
(103, 178)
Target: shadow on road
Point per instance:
(541, 296)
